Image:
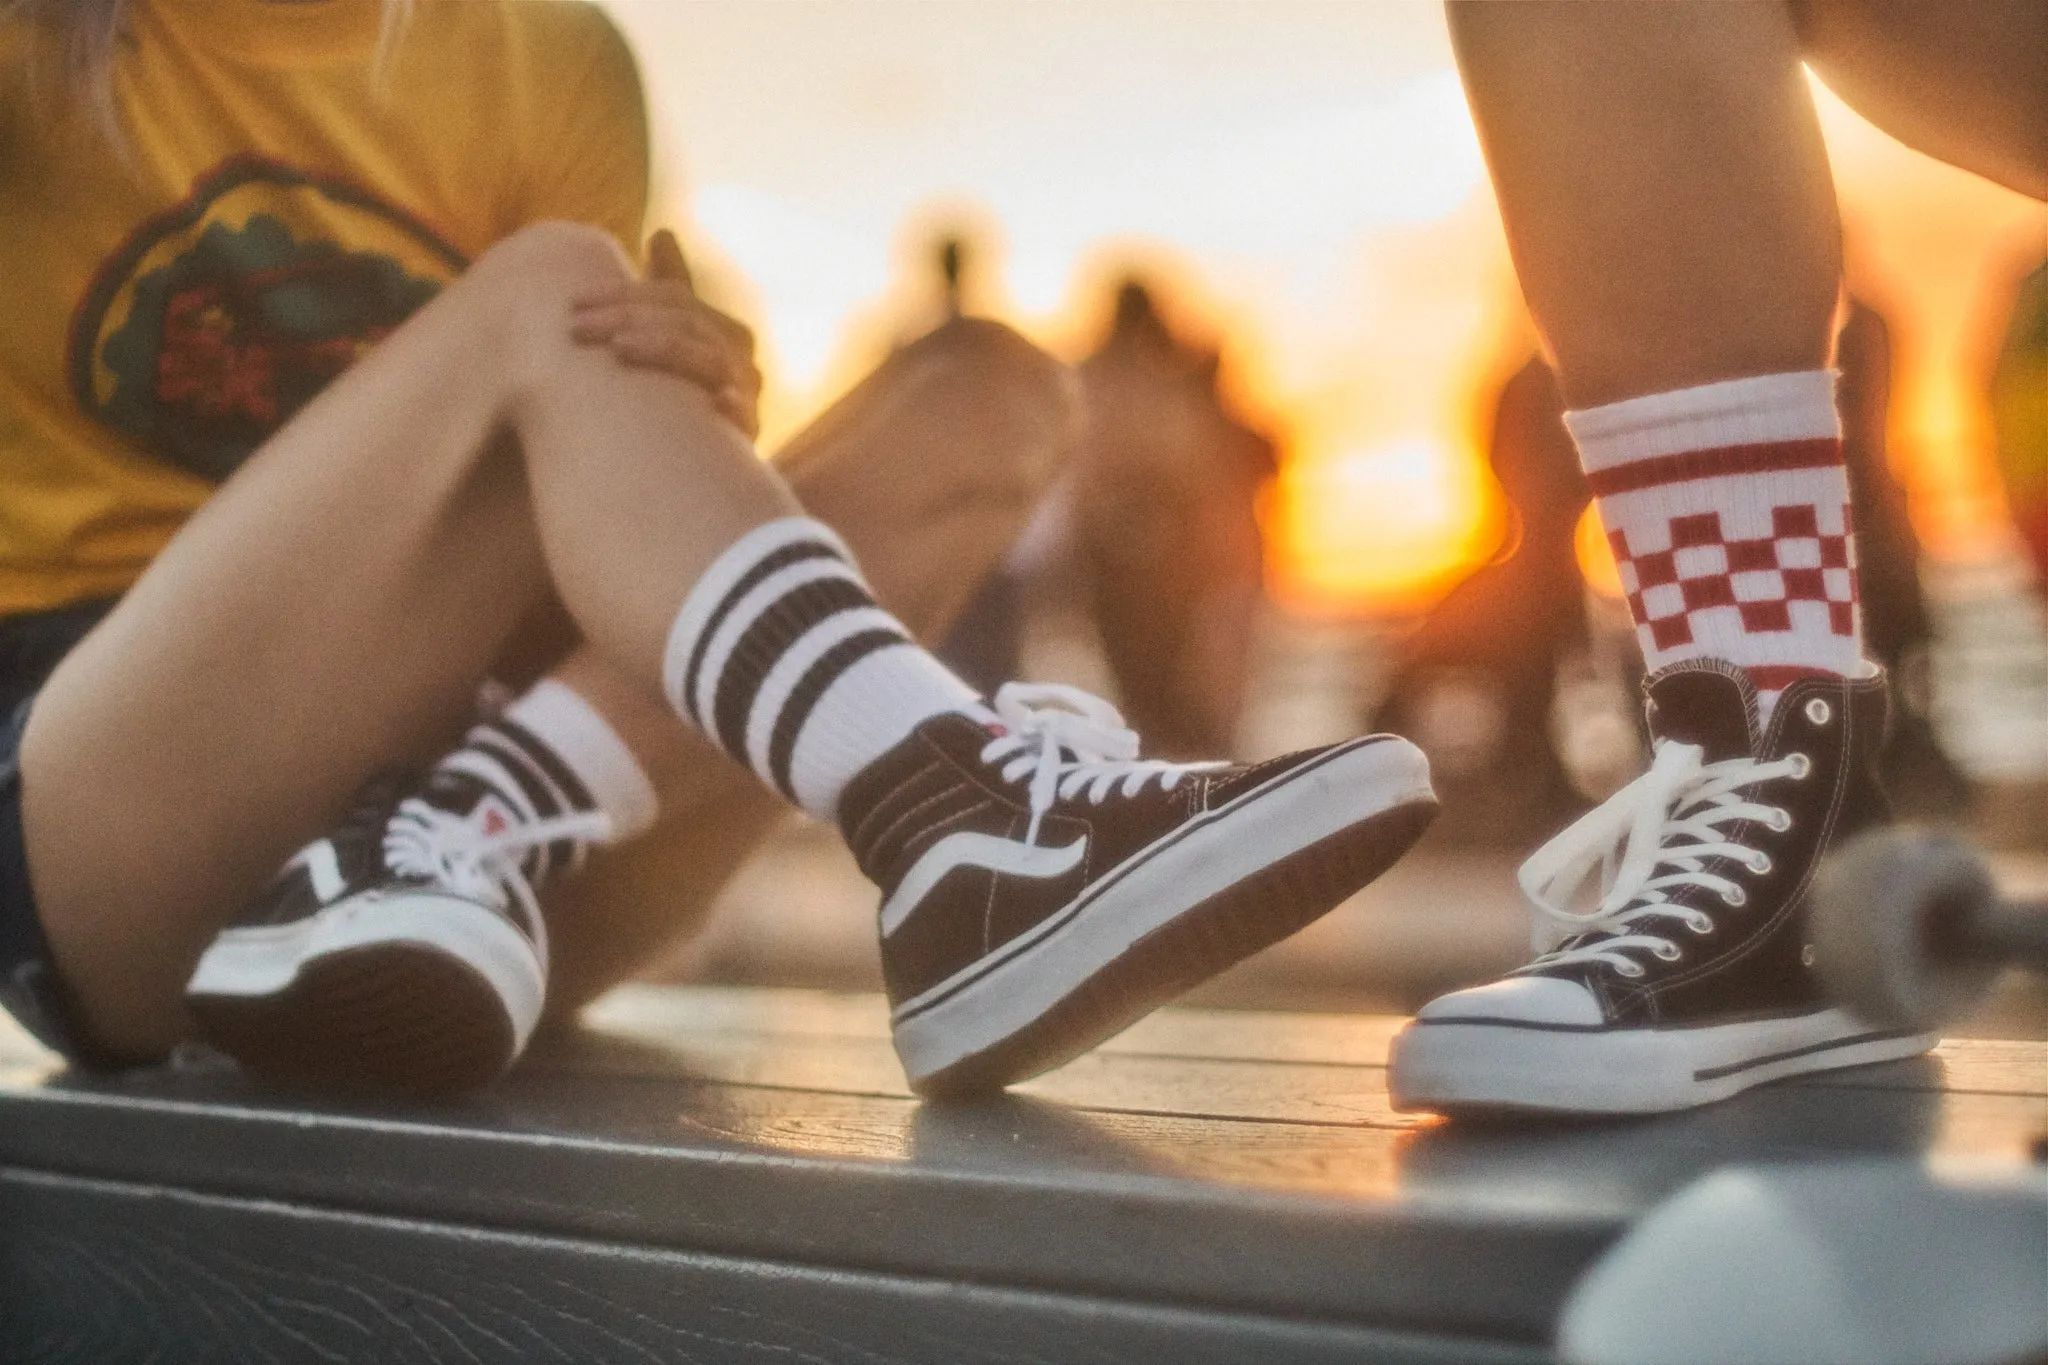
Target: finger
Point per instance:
(602, 295)
(666, 295)
(598, 323)
(741, 410)
(736, 333)
(665, 259)
(661, 320)
(708, 367)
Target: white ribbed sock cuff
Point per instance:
(588, 746)
(710, 592)
(1795, 406)
(867, 711)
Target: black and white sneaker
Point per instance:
(405, 953)
(1044, 887)
(1692, 978)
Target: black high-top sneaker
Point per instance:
(405, 952)
(1044, 887)
(1692, 978)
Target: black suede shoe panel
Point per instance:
(1753, 961)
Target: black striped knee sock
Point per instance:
(781, 656)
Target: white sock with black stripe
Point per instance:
(781, 656)
(549, 754)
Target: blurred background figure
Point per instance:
(1478, 681)
(1164, 529)
(1143, 575)
(1898, 630)
(2019, 414)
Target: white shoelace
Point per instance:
(1670, 817)
(1067, 739)
(425, 841)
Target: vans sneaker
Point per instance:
(1044, 887)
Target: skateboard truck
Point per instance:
(1909, 929)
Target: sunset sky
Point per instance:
(1306, 177)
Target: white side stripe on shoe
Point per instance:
(323, 869)
(969, 849)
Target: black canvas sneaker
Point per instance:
(1692, 978)
(1043, 886)
(404, 953)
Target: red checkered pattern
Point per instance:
(1759, 578)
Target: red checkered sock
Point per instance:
(1728, 509)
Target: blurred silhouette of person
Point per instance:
(1164, 528)
(986, 641)
(1897, 629)
(1496, 641)
(2019, 414)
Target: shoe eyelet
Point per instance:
(1761, 864)
(1781, 820)
(1702, 925)
(1819, 712)
(1806, 955)
(1735, 895)
(1802, 767)
(1668, 952)
(1629, 969)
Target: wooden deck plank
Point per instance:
(1227, 1035)
(1271, 1181)
(110, 1273)
(1301, 1093)
(1992, 1066)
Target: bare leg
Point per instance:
(1964, 80)
(930, 470)
(1666, 193)
(335, 604)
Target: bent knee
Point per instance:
(539, 271)
(556, 254)
(527, 285)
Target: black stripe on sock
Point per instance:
(786, 620)
(548, 761)
(804, 696)
(568, 785)
(491, 739)
(780, 559)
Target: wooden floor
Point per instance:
(732, 1174)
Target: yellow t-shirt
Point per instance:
(281, 202)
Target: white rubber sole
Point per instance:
(263, 962)
(1445, 1066)
(1006, 993)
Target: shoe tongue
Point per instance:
(1704, 702)
(470, 797)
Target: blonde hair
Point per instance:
(88, 33)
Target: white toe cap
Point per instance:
(1520, 999)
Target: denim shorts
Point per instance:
(31, 645)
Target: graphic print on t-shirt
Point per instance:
(220, 318)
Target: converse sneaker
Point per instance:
(1691, 979)
(1044, 887)
(403, 953)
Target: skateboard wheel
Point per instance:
(1890, 916)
